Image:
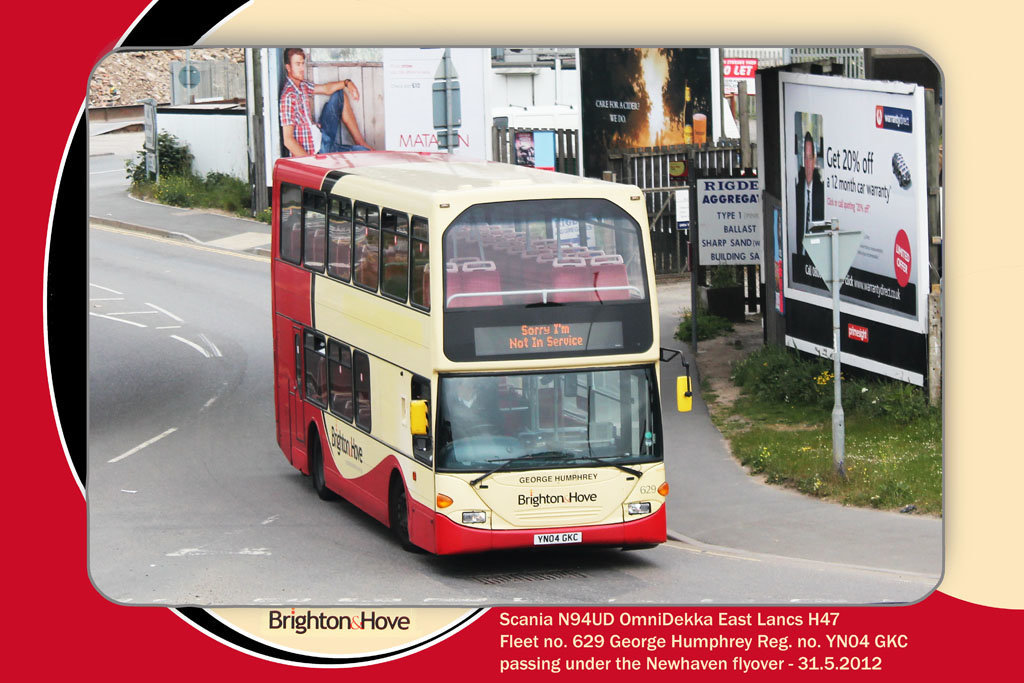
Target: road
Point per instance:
(191, 502)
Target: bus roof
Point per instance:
(428, 172)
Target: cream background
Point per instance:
(976, 50)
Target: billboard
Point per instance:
(854, 151)
(393, 99)
(415, 100)
(643, 97)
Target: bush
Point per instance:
(178, 190)
(708, 327)
(174, 159)
(778, 374)
(226, 192)
(903, 403)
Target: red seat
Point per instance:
(571, 273)
(609, 271)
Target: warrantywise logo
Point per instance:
(320, 621)
(894, 118)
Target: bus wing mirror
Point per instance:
(684, 397)
(419, 419)
(684, 392)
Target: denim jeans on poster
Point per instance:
(330, 126)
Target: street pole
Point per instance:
(838, 419)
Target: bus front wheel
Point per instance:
(398, 513)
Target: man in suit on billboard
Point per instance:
(810, 194)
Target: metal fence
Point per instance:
(503, 142)
(649, 168)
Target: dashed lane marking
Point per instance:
(143, 445)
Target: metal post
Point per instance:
(448, 96)
(691, 176)
(838, 419)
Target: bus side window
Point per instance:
(420, 263)
(339, 239)
(314, 229)
(339, 368)
(367, 245)
(290, 243)
(361, 373)
(394, 281)
(316, 368)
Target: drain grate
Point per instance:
(512, 577)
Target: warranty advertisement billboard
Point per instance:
(854, 151)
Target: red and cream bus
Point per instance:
(468, 351)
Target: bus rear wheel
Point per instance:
(398, 513)
(316, 468)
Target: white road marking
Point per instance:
(270, 520)
(208, 404)
(195, 346)
(128, 491)
(213, 347)
(165, 312)
(133, 313)
(107, 298)
(113, 170)
(106, 289)
(168, 327)
(143, 445)
(126, 322)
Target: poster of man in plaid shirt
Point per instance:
(301, 136)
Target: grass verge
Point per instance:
(780, 426)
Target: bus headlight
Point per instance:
(638, 508)
(474, 517)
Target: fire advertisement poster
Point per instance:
(61, 625)
(643, 97)
(854, 151)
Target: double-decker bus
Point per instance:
(467, 351)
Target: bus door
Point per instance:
(298, 437)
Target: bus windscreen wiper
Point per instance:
(605, 461)
(506, 463)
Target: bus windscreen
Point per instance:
(543, 251)
(548, 420)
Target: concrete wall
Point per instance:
(217, 140)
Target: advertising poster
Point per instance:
(555, 618)
(854, 151)
(729, 211)
(341, 109)
(415, 100)
(643, 97)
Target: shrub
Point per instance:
(708, 327)
(178, 190)
(174, 159)
(779, 374)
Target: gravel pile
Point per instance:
(123, 78)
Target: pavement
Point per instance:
(716, 504)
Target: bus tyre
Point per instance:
(398, 513)
(316, 468)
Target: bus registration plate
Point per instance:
(553, 539)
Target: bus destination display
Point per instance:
(548, 338)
